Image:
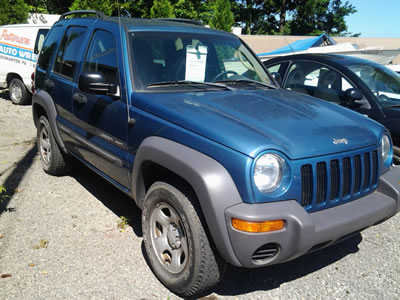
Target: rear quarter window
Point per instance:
(49, 47)
(274, 68)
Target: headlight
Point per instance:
(268, 172)
(386, 146)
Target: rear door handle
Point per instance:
(79, 98)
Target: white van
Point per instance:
(19, 47)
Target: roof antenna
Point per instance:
(131, 121)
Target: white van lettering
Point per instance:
(24, 54)
(11, 37)
(18, 53)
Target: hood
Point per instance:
(251, 121)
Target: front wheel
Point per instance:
(18, 93)
(176, 244)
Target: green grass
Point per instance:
(3, 194)
(122, 223)
(42, 244)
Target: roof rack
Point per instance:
(98, 14)
(186, 21)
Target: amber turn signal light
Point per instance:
(263, 226)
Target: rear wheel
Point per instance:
(18, 93)
(53, 160)
(176, 244)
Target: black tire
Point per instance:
(54, 162)
(18, 93)
(188, 265)
(396, 155)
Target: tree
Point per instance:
(223, 17)
(336, 24)
(136, 9)
(36, 6)
(184, 9)
(106, 6)
(249, 13)
(161, 9)
(280, 10)
(317, 16)
(13, 12)
(293, 17)
(58, 6)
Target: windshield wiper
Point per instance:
(250, 81)
(197, 84)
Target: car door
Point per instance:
(321, 81)
(101, 120)
(60, 81)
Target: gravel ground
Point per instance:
(59, 239)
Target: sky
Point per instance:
(375, 18)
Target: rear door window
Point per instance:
(317, 80)
(49, 47)
(69, 50)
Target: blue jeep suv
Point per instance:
(226, 166)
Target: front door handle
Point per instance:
(79, 98)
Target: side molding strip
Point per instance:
(115, 160)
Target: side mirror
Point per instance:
(352, 95)
(94, 83)
(277, 77)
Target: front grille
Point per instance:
(346, 177)
(307, 185)
(336, 180)
(321, 182)
(367, 175)
(357, 174)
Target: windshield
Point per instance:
(383, 82)
(167, 59)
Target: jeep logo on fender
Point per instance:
(340, 141)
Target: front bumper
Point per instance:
(309, 231)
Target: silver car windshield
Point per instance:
(165, 59)
(383, 82)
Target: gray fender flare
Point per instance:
(389, 184)
(211, 182)
(43, 99)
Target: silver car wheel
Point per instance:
(45, 145)
(168, 238)
(16, 92)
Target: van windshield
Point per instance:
(162, 58)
